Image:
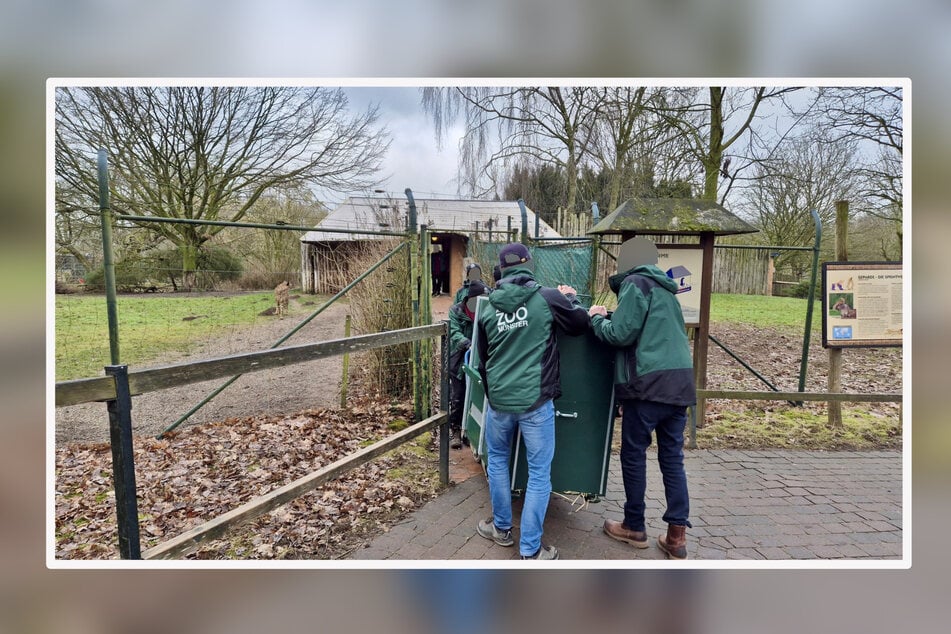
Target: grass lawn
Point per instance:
(148, 327)
(152, 325)
(782, 313)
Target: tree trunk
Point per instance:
(571, 172)
(711, 166)
(615, 185)
(189, 266)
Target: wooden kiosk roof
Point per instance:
(680, 216)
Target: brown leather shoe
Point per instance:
(674, 544)
(620, 532)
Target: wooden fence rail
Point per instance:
(118, 388)
(216, 527)
(142, 381)
(837, 397)
(792, 397)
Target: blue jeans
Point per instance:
(639, 420)
(538, 435)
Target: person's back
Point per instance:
(654, 383)
(654, 361)
(520, 368)
(461, 324)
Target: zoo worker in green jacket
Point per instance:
(473, 274)
(518, 359)
(461, 315)
(654, 383)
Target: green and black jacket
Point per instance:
(653, 361)
(460, 337)
(517, 346)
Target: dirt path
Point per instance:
(315, 384)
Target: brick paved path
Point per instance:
(745, 505)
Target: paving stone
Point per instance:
(744, 553)
(798, 552)
(775, 505)
(409, 551)
(826, 552)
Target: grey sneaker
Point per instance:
(545, 552)
(488, 530)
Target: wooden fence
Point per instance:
(119, 386)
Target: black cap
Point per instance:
(514, 253)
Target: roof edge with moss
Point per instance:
(681, 216)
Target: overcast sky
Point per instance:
(413, 160)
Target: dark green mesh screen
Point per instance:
(554, 264)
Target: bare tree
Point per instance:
(272, 256)
(505, 127)
(621, 118)
(637, 146)
(712, 127)
(805, 173)
(209, 152)
(871, 116)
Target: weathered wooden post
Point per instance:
(835, 353)
(345, 379)
(700, 345)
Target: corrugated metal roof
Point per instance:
(444, 216)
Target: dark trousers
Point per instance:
(457, 394)
(640, 419)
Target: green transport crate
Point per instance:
(584, 418)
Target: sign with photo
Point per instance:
(684, 264)
(862, 304)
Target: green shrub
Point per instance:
(801, 290)
(130, 276)
(218, 265)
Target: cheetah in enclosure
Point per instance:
(281, 292)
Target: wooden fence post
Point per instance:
(345, 379)
(835, 354)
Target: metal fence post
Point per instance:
(123, 463)
(804, 363)
(524, 213)
(424, 350)
(108, 266)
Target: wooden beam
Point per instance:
(142, 381)
(217, 527)
(800, 396)
(701, 343)
(100, 388)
